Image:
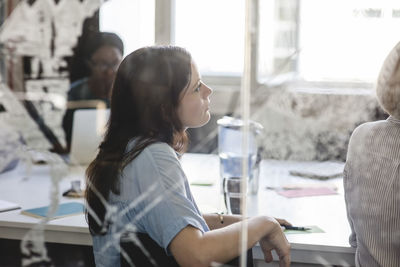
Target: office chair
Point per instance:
(72, 106)
(159, 258)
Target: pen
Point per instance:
(297, 228)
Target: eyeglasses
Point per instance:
(103, 66)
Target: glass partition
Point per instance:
(256, 133)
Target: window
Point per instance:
(132, 20)
(346, 40)
(213, 31)
(319, 40)
(278, 38)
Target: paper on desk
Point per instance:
(202, 182)
(293, 186)
(306, 192)
(314, 229)
(7, 206)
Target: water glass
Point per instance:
(231, 154)
(232, 194)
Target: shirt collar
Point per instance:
(393, 119)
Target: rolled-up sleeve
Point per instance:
(168, 206)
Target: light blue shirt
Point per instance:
(154, 198)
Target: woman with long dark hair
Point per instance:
(136, 183)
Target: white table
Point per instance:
(327, 212)
(34, 191)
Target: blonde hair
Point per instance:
(388, 84)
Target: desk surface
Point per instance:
(327, 212)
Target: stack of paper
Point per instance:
(320, 171)
(307, 191)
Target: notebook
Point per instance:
(307, 192)
(63, 210)
(323, 170)
(88, 128)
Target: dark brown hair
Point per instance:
(144, 99)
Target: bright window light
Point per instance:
(346, 40)
(132, 20)
(213, 31)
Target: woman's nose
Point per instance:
(208, 91)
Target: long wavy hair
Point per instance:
(144, 100)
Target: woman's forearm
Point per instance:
(190, 247)
(224, 244)
(216, 221)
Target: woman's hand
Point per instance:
(276, 240)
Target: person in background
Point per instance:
(103, 53)
(372, 176)
(136, 182)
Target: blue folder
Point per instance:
(63, 210)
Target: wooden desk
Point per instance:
(327, 212)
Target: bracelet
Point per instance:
(221, 217)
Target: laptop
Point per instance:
(88, 128)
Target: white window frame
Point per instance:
(165, 34)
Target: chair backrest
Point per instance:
(131, 253)
(134, 255)
(87, 133)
